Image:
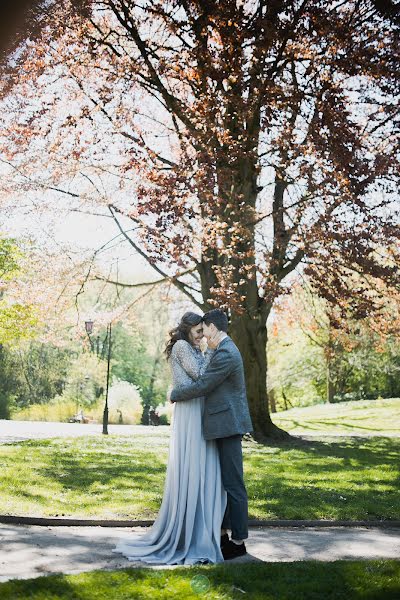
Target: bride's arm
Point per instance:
(183, 352)
(219, 369)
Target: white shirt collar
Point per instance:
(223, 339)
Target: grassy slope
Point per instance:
(379, 417)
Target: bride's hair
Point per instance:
(181, 332)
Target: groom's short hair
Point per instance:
(218, 317)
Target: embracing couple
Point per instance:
(204, 492)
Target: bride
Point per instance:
(188, 526)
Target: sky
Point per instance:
(78, 233)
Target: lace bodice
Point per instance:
(187, 363)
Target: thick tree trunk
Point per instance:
(250, 336)
(237, 184)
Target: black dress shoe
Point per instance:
(224, 539)
(232, 550)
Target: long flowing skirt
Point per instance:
(188, 526)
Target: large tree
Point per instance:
(248, 140)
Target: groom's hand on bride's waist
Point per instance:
(173, 392)
(169, 394)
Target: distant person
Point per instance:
(153, 417)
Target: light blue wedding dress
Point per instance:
(187, 529)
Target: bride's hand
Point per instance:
(203, 344)
(215, 340)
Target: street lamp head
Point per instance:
(89, 327)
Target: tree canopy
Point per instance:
(241, 140)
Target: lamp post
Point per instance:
(89, 330)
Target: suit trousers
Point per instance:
(231, 460)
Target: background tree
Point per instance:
(36, 373)
(17, 318)
(296, 375)
(312, 362)
(137, 360)
(248, 138)
(18, 321)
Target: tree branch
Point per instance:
(179, 284)
(169, 278)
(174, 105)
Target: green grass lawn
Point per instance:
(377, 417)
(308, 580)
(121, 477)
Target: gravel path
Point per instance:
(16, 431)
(30, 551)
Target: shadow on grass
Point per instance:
(366, 447)
(78, 475)
(120, 465)
(315, 425)
(372, 580)
(314, 486)
(329, 422)
(333, 478)
(75, 475)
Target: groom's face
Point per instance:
(208, 330)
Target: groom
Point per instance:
(226, 418)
